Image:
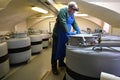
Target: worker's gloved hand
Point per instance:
(78, 30)
(71, 33)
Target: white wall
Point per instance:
(21, 27)
(45, 24)
(115, 31)
(84, 23)
(48, 24)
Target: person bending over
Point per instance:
(61, 31)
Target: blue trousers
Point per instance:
(54, 52)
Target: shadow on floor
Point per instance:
(50, 76)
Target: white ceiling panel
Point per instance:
(61, 1)
(4, 3)
(101, 0)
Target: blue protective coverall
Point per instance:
(61, 33)
(63, 38)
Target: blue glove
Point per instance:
(78, 30)
(71, 33)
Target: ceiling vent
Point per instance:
(48, 5)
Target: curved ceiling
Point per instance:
(16, 11)
(107, 14)
(4, 3)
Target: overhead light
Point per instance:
(50, 16)
(39, 10)
(81, 15)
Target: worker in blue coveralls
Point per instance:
(61, 32)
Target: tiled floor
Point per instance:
(38, 68)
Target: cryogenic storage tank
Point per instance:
(85, 63)
(20, 34)
(19, 50)
(36, 43)
(45, 40)
(4, 61)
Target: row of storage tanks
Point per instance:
(19, 49)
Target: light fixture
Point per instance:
(80, 14)
(39, 10)
(49, 16)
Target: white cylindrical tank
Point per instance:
(20, 34)
(83, 63)
(87, 56)
(19, 50)
(36, 43)
(108, 76)
(45, 40)
(4, 61)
